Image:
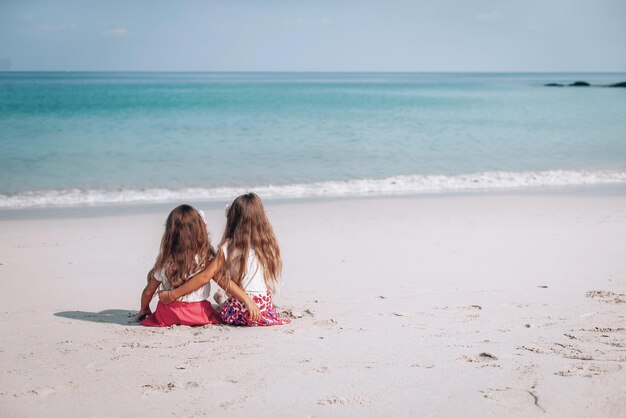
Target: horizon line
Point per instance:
(329, 71)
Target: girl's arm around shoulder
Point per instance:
(195, 283)
(204, 277)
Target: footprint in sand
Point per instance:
(400, 314)
(527, 369)
(423, 365)
(606, 296)
(582, 352)
(369, 365)
(485, 359)
(133, 345)
(161, 387)
(571, 351)
(42, 391)
(462, 308)
(326, 323)
(514, 400)
(616, 343)
(294, 313)
(471, 317)
(190, 363)
(603, 329)
(613, 337)
(321, 369)
(471, 312)
(537, 325)
(589, 370)
(234, 402)
(170, 386)
(345, 401)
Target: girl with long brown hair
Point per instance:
(248, 257)
(185, 251)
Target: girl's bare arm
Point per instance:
(236, 291)
(195, 283)
(146, 296)
(204, 277)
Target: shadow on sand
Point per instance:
(110, 316)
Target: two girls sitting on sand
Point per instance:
(246, 265)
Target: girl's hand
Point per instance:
(142, 314)
(253, 311)
(165, 297)
(146, 297)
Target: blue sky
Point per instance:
(320, 35)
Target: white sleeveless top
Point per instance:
(253, 282)
(196, 296)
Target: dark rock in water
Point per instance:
(554, 85)
(622, 84)
(579, 84)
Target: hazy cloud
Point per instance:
(118, 32)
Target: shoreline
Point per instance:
(122, 209)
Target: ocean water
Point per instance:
(101, 138)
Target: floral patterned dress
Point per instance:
(234, 312)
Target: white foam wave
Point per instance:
(397, 185)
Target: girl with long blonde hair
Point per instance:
(185, 252)
(248, 257)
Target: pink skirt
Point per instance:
(183, 313)
(234, 312)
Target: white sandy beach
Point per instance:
(478, 305)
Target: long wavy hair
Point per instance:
(247, 227)
(185, 246)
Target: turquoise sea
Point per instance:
(101, 138)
